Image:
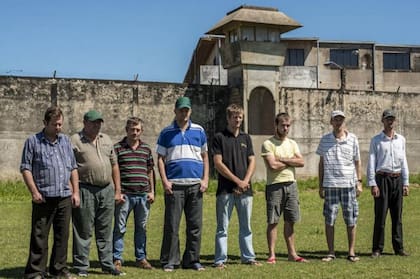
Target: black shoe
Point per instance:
(376, 254)
(402, 253)
(115, 272)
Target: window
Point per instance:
(261, 34)
(233, 36)
(295, 57)
(396, 61)
(345, 57)
(273, 35)
(248, 34)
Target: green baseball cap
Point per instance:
(183, 102)
(93, 115)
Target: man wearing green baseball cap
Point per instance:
(99, 180)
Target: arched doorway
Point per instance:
(261, 112)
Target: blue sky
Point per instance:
(118, 39)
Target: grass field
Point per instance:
(15, 212)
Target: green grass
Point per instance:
(15, 211)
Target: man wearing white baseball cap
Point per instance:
(340, 181)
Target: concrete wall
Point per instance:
(310, 111)
(24, 100)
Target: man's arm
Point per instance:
(205, 178)
(371, 170)
(151, 194)
(359, 185)
(273, 163)
(226, 172)
(296, 161)
(74, 186)
(117, 183)
(167, 185)
(321, 177)
(30, 184)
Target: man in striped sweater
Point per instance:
(137, 187)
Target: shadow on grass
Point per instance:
(13, 272)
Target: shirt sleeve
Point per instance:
(404, 166)
(266, 148)
(371, 166)
(27, 156)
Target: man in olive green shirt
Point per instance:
(99, 190)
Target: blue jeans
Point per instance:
(141, 208)
(224, 207)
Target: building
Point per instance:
(247, 52)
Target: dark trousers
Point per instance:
(189, 199)
(391, 197)
(55, 212)
(95, 213)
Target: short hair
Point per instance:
(233, 109)
(52, 112)
(133, 121)
(281, 116)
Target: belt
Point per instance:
(390, 174)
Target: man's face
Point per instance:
(92, 127)
(182, 114)
(134, 132)
(388, 123)
(337, 123)
(283, 127)
(54, 126)
(235, 120)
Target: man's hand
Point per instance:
(204, 184)
(167, 187)
(37, 197)
(75, 200)
(321, 192)
(150, 197)
(405, 190)
(119, 198)
(243, 185)
(359, 188)
(375, 191)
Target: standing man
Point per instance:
(281, 157)
(50, 172)
(340, 181)
(137, 186)
(387, 173)
(184, 170)
(235, 162)
(99, 180)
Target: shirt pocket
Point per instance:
(347, 154)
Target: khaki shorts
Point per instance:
(282, 198)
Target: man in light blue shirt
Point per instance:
(387, 175)
(49, 170)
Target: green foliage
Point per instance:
(15, 211)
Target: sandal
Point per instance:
(271, 260)
(328, 258)
(299, 260)
(220, 266)
(353, 258)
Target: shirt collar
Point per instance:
(44, 138)
(384, 136)
(176, 124)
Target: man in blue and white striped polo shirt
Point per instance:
(184, 170)
(340, 181)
